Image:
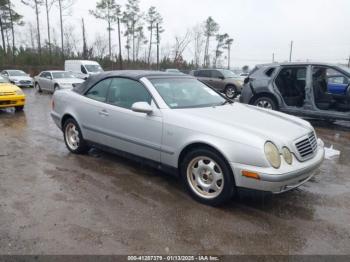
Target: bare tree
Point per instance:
(109, 11)
(99, 46)
(181, 43)
(210, 29)
(35, 4)
(48, 6)
(198, 41)
(63, 6)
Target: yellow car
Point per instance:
(11, 95)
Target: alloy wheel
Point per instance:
(72, 136)
(205, 177)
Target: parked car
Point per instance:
(18, 78)
(54, 80)
(311, 90)
(84, 68)
(178, 123)
(11, 95)
(222, 80)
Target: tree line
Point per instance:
(139, 31)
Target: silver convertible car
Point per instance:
(177, 123)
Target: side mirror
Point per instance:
(142, 107)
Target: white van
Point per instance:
(82, 68)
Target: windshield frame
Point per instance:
(228, 73)
(87, 66)
(62, 72)
(224, 102)
(345, 69)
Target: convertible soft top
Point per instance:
(131, 74)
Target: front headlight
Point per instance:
(287, 155)
(272, 155)
(19, 92)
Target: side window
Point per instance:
(99, 91)
(216, 74)
(270, 71)
(83, 70)
(204, 73)
(125, 92)
(44, 75)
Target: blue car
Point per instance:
(338, 84)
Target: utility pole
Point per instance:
(157, 46)
(273, 57)
(120, 47)
(291, 51)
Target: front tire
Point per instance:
(38, 88)
(73, 137)
(207, 177)
(266, 102)
(231, 92)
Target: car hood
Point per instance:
(226, 121)
(20, 78)
(69, 81)
(6, 87)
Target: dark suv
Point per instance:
(312, 90)
(222, 80)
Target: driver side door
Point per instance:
(139, 134)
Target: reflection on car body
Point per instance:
(176, 122)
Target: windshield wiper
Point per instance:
(227, 102)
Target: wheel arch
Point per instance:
(66, 117)
(195, 145)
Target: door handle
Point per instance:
(103, 113)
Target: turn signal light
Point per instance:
(251, 175)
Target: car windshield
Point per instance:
(17, 73)
(58, 75)
(228, 74)
(3, 80)
(94, 68)
(186, 93)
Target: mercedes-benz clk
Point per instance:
(176, 123)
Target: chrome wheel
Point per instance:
(230, 92)
(264, 104)
(72, 136)
(205, 177)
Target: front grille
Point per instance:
(307, 147)
(25, 82)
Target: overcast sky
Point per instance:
(320, 29)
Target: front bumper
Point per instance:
(279, 180)
(12, 101)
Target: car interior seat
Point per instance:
(323, 99)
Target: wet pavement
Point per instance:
(53, 202)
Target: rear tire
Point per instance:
(265, 102)
(19, 108)
(207, 177)
(73, 137)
